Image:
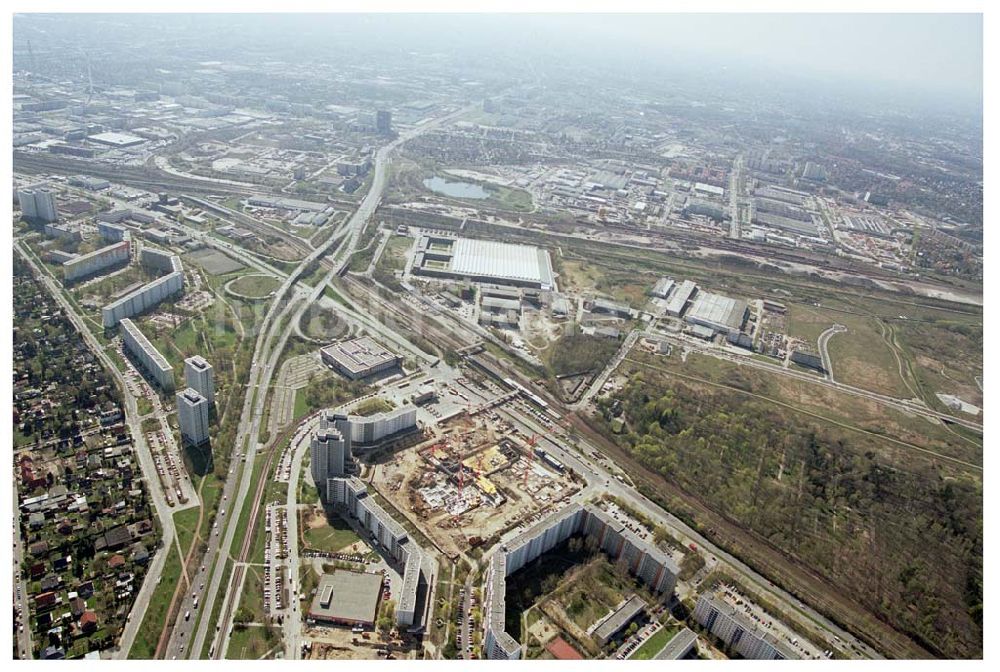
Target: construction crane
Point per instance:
(531, 458)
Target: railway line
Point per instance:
(239, 567)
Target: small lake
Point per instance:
(455, 189)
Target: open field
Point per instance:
(255, 286)
(330, 534)
(148, 635)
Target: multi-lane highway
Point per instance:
(265, 360)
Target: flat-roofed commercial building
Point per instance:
(346, 598)
(91, 263)
(359, 357)
(116, 139)
(154, 364)
(200, 375)
(718, 312)
(484, 261)
(192, 416)
(644, 560)
(743, 635)
(679, 299)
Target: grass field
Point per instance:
(185, 522)
(148, 635)
(250, 643)
(654, 644)
(331, 537)
(255, 286)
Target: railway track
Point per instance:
(239, 570)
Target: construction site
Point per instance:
(474, 481)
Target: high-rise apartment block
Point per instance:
(192, 416)
(199, 375)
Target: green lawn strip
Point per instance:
(654, 644)
(148, 635)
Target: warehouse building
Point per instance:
(86, 265)
(346, 598)
(192, 416)
(359, 357)
(644, 560)
(154, 364)
(496, 305)
(600, 305)
(351, 496)
(662, 288)
(679, 299)
(810, 360)
(738, 632)
(718, 313)
(484, 261)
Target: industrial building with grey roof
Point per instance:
(718, 312)
(359, 357)
(347, 598)
(484, 261)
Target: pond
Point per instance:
(455, 189)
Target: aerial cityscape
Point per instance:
(520, 337)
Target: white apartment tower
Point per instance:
(330, 448)
(198, 374)
(192, 415)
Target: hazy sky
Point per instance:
(933, 52)
(938, 54)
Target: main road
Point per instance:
(264, 363)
